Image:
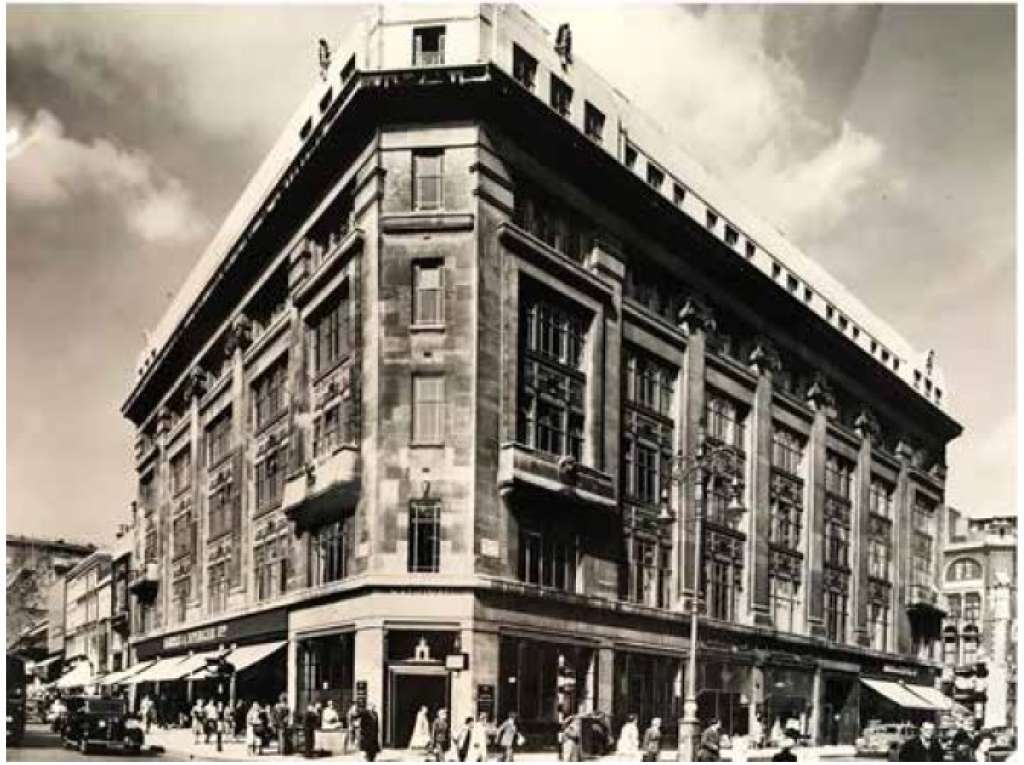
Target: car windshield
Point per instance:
(104, 706)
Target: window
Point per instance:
(720, 589)
(561, 96)
(655, 176)
(808, 294)
(328, 554)
(723, 422)
(843, 322)
(647, 426)
(268, 394)
(552, 382)
(424, 536)
(269, 480)
(880, 498)
(970, 648)
(547, 559)
(147, 491)
(953, 607)
(270, 564)
(835, 614)
(712, 219)
(218, 439)
(329, 333)
(838, 476)
(428, 293)
(184, 536)
(524, 67)
(217, 587)
(151, 549)
(963, 569)
(648, 573)
(593, 122)
(551, 221)
(837, 543)
(972, 607)
(182, 590)
(649, 382)
(629, 157)
(428, 46)
(732, 236)
(428, 409)
(678, 195)
(879, 558)
(786, 519)
(787, 451)
(792, 284)
(782, 595)
(750, 249)
(829, 312)
(221, 505)
(878, 625)
(327, 431)
(181, 471)
(428, 179)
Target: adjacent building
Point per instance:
(979, 636)
(407, 434)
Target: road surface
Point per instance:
(40, 744)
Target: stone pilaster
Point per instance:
(605, 696)
(902, 535)
(195, 388)
(606, 261)
(867, 429)
(239, 338)
(820, 398)
(765, 362)
(369, 661)
(695, 320)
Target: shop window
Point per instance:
(542, 681)
(268, 394)
(218, 438)
(428, 409)
(328, 553)
(428, 292)
(428, 46)
(561, 96)
(428, 179)
(547, 559)
(326, 671)
(424, 536)
(553, 383)
(647, 573)
(724, 693)
(524, 67)
(649, 686)
(593, 122)
(181, 471)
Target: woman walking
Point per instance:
(652, 741)
(253, 741)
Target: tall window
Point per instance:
(182, 590)
(269, 480)
(782, 595)
(428, 293)
(648, 426)
(270, 564)
(922, 548)
(561, 96)
(424, 536)
(835, 613)
(524, 67)
(268, 394)
(327, 431)
(184, 535)
(878, 625)
(181, 471)
(648, 572)
(787, 451)
(218, 438)
(428, 46)
(547, 558)
(329, 332)
(838, 513)
(953, 608)
(551, 394)
(838, 476)
(217, 586)
(221, 505)
(972, 607)
(655, 176)
(328, 554)
(428, 409)
(881, 498)
(427, 179)
(147, 491)
(879, 558)
(650, 383)
(720, 589)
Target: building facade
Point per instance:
(979, 635)
(88, 614)
(406, 435)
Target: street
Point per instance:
(40, 744)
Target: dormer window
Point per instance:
(792, 284)
(524, 68)
(751, 248)
(630, 157)
(732, 236)
(829, 312)
(678, 194)
(593, 122)
(655, 176)
(561, 96)
(843, 323)
(428, 46)
(712, 219)
(776, 270)
(808, 294)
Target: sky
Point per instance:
(880, 139)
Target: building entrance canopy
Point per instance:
(909, 696)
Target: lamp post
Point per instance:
(709, 463)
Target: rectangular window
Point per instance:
(878, 625)
(972, 607)
(184, 536)
(428, 292)
(732, 236)
(787, 451)
(428, 179)
(712, 219)
(268, 394)
(221, 504)
(835, 615)
(428, 46)
(270, 564)
(723, 422)
(147, 491)
(720, 589)
(218, 439)
(182, 590)
(428, 409)
(551, 221)
(269, 480)
(630, 157)
(881, 498)
(838, 476)
(181, 471)
(329, 332)
(561, 96)
(648, 573)
(750, 249)
(837, 543)
(524, 67)
(547, 559)
(655, 176)
(327, 431)
(782, 595)
(328, 554)
(217, 587)
(593, 122)
(425, 536)
(678, 195)
(879, 558)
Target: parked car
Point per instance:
(96, 722)
(1004, 743)
(878, 738)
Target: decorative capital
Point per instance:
(163, 421)
(239, 335)
(867, 426)
(196, 383)
(765, 359)
(695, 316)
(820, 395)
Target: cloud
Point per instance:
(47, 168)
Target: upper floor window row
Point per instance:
(723, 421)
(428, 46)
(881, 498)
(650, 383)
(561, 96)
(838, 476)
(554, 332)
(218, 438)
(551, 221)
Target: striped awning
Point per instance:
(898, 694)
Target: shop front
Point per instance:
(896, 693)
(648, 685)
(724, 692)
(788, 701)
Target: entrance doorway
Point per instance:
(840, 720)
(410, 688)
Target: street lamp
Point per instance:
(709, 463)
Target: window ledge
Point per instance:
(426, 444)
(427, 327)
(425, 220)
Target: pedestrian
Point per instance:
(628, 747)
(508, 738)
(710, 742)
(146, 710)
(478, 740)
(352, 735)
(282, 718)
(369, 733)
(309, 726)
(923, 747)
(571, 738)
(253, 736)
(441, 736)
(228, 723)
(197, 720)
(420, 737)
(463, 739)
(785, 753)
(210, 719)
(963, 747)
(652, 741)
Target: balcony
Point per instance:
(521, 466)
(323, 489)
(924, 611)
(145, 581)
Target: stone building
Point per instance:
(405, 435)
(979, 634)
(87, 615)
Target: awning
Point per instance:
(933, 696)
(245, 656)
(38, 666)
(898, 694)
(116, 678)
(80, 675)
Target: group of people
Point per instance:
(965, 746)
(470, 742)
(259, 723)
(361, 728)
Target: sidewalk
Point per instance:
(178, 743)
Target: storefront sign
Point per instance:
(195, 637)
(893, 669)
(456, 662)
(485, 701)
(267, 625)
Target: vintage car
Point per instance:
(1004, 743)
(879, 738)
(97, 722)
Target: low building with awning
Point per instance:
(78, 676)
